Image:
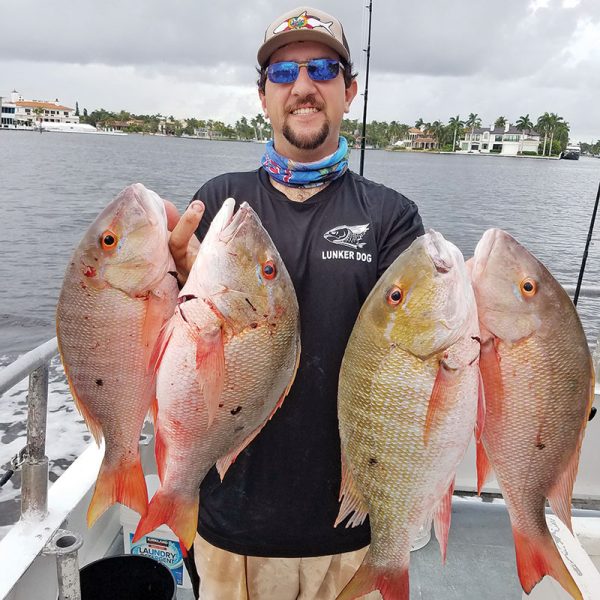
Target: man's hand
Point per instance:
(183, 244)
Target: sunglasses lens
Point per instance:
(283, 72)
(323, 69)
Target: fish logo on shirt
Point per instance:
(347, 235)
(303, 21)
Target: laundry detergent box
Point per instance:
(161, 544)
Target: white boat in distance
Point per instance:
(572, 152)
(76, 128)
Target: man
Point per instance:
(266, 532)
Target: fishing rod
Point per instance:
(366, 95)
(587, 246)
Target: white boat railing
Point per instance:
(34, 463)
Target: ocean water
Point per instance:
(53, 185)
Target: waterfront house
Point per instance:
(418, 140)
(507, 140)
(19, 113)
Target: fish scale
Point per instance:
(539, 382)
(405, 422)
(113, 302)
(228, 358)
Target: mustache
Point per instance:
(299, 103)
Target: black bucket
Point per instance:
(127, 577)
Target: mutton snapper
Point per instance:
(227, 360)
(118, 292)
(539, 386)
(408, 397)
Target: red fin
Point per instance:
(179, 513)
(160, 345)
(92, 424)
(441, 520)
(160, 453)
(123, 484)
(537, 557)
(393, 584)
(480, 423)
(352, 500)
(157, 307)
(437, 400)
(210, 363)
(489, 366)
(484, 467)
(226, 461)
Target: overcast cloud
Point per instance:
(429, 58)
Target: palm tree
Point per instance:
(455, 123)
(439, 132)
(500, 123)
(472, 122)
(555, 121)
(523, 124)
(543, 125)
(419, 123)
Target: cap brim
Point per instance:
(303, 35)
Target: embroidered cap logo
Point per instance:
(303, 21)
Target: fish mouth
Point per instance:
(438, 252)
(232, 223)
(483, 251)
(148, 202)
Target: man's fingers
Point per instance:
(182, 242)
(172, 214)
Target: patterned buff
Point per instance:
(306, 175)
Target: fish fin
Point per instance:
(179, 513)
(92, 423)
(351, 498)
(393, 584)
(160, 452)
(210, 367)
(160, 345)
(480, 423)
(154, 322)
(441, 520)
(124, 484)
(537, 557)
(154, 410)
(226, 461)
(437, 399)
(484, 466)
(489, 365)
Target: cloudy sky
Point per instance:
(429, 58)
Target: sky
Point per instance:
(430, 59)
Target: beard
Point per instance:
(305, 142)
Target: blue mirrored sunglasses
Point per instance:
(318, 69)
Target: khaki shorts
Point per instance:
(228, 576)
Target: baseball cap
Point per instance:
(303, 24)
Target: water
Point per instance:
(53, 185)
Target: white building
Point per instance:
(16, 112)
(509, 140)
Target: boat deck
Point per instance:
(480, 561)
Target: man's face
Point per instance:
(306, 115)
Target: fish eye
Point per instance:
(394, 296)
(268, 270)
(108, 240)
(528, 287)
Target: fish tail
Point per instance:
(392, 583)
(179, 513)
(537, 557)
(124, 484)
